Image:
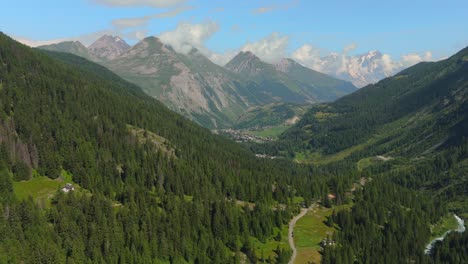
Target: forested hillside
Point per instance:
(432, 96)
(409, 134)
(151, 185)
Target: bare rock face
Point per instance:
(108, 47)
(245, 63)
(187, 83)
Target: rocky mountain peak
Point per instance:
(245, 62)
(108, 47)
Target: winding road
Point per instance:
(291, 230)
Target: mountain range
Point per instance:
(361, 69)
(201, 90)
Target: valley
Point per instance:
(188, 132)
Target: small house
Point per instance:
(68, 187)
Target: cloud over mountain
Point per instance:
(361, 69)
(187, 36)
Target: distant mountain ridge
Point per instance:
(201, 90)
(289, 80)
(324, 87)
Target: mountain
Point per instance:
(324, 87)
(108, 47)
(288, 81)
(187, 83)
(425, 95)
(149, 185)
(269, 115)
(409, 134)
(207, 93)
(190, 84)
(73, 47)
(361, 69)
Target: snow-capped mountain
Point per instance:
(361, 69)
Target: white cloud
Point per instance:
(309, 55)
(187, 35)
(266, 9)
(349, 48)
(123, 23)
(413, 58)
(120, 27)
(360, 69)
(388, 65)
(271, 48)
(151, 3)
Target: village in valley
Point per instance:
(243, 135)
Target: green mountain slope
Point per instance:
(409, 135)
(323, 87)
(73, 47)
(422, 106)
(151, 186)
(412, 127)
(273, 114)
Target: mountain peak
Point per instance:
(108, 47)
(245, 62)
(151, 39)
(74, 47)
(284, 64)
(248, 55)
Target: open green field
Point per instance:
(273, 132)
(41, 188)
(445, 224)
(317, 158)
(364, 163)
(310, 230)
(266, 250)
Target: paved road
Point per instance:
(291, 230)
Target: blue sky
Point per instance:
(395, 28)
